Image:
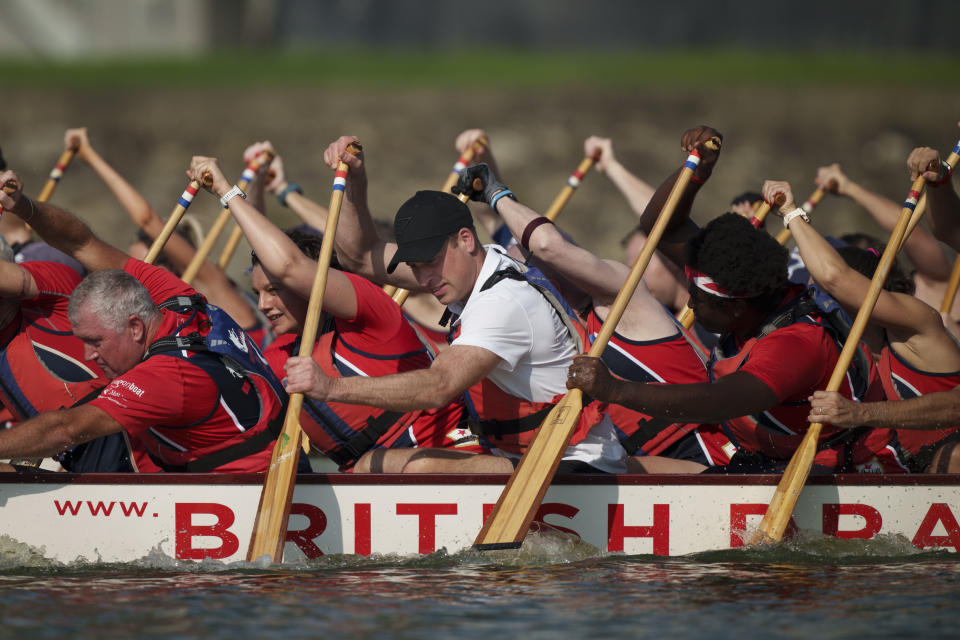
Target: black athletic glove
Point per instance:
(485, 190)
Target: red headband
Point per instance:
(705, 283)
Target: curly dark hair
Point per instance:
(738, 256)
(865, 261)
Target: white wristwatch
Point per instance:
(796, 213)
(234, 191)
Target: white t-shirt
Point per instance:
(513, 320)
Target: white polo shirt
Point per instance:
(513, 320)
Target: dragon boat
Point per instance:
(126, 517)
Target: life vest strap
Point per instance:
(364, 440)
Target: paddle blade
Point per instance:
(511, 517)
(273, 512)
(780, 509)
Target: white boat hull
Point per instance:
(123, 518)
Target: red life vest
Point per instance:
(342, 431)
(765, 433)
(671, 360)
(510, 423)
(253, 396)
(37, 376)
(902, 381)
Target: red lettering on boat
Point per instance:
(316, 524)
(659, 531)
(427, 514)
(872, 521)
(361, 529)
(939, 512)
(186, 531)
(67, 506)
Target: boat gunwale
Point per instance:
(854, 479)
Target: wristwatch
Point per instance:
(796, 213)
(234, 191)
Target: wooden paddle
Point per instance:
(951, 292)
(518, 503)
(785, 497)
(572, 183)
(55, 174)
(273, 514)
(218, 225)
(685, 317)
(182, 205)
(10, 186)
(478, 146)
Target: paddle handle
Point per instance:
(646, 253)
(781, 507)
(55, 174)
(274, 511)
(951, 291)
(572, 183)
(183, 203)
(10, 186)
(761, 213)
(468, 155)
(685, 317)
(233, 241)
(222, 219)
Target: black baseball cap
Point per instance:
(424, 222)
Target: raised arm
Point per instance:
(16, 282)
(681, 228)
(177, 250)
(61, 229)
(636, 191)
(290, 194)
(483, 214)
(942, 200)
(598, 278)
(359, 247)
(900, 313)
(277, 253)
(921, 247)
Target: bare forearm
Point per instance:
(699, 402)
(133, 202)
(920, 247)
(636, 191)
(309, 211)
(944, 207)
(421, 389)
(931, 411)
(44, 435)
(69, 234)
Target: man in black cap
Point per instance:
(510, 344)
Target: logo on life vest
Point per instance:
(238, 341)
